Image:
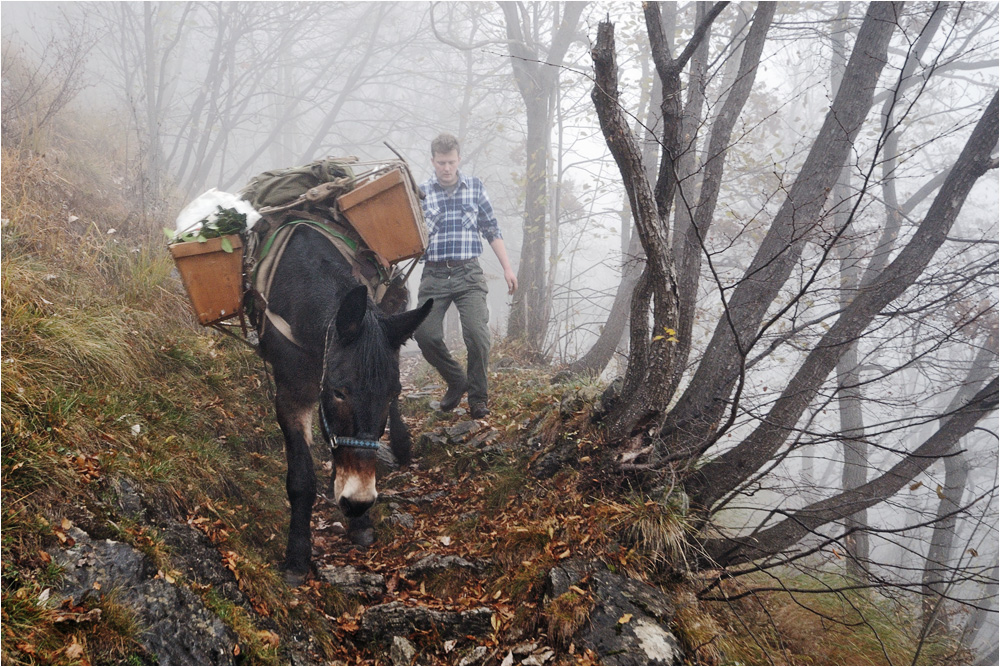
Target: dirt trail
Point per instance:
(432, 553)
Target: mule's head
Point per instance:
(360, 382)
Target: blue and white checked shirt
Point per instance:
(454, 223)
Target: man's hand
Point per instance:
(508, 272)
(511, 279)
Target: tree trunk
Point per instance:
(849, 395)
(529, 315)
(726, 472)
(537, 78)
(692, 424)
(633, 260)
(939, 560)
(652, 353)
(689, 239)
(780, 537)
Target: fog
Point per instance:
(209, 95)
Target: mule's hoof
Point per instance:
(363, 538)
(295, 579)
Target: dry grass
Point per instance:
(823, 628)
(106, 377)
(566, 615)
(657, 531)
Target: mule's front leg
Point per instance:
(296, 425)
(399, 435)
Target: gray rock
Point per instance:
(562, 454)
(429, 498)
(385, 458)
(384, 621)
(457, 432)
(198, 560)
(127, 498)
(564, 575)
(477, 656)
(437, 563)
(177, 628)
(404, 519)
(643, 639)
(483, 439)
(353, 581)
(524, 649)
(575, 400)
(428, 442)
(401, 652)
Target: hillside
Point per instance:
(144, 508)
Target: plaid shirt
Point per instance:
(454, 223)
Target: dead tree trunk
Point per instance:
(652, 352)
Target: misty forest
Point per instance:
(743, 401)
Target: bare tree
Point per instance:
(823, 309)
(38, 85)
(536, 72)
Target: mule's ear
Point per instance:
(351, 314)
(399, 328)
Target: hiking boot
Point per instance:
(453, 396)
(478, 410)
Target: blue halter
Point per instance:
(337, 440)
(340, 440)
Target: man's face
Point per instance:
(446, 167)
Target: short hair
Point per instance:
(444, 143)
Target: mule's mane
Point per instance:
(376, 354)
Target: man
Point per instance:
(458, 212)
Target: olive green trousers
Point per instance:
(464, 286)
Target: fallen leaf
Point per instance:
(27, 648)
(74, 650)
(624, 619)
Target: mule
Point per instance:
(342, 355)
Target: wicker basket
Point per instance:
(212, 277)
(386, 213)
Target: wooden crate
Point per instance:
(212, 277)
(387, 214)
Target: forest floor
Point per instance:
(124, 424)
(481, 531)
